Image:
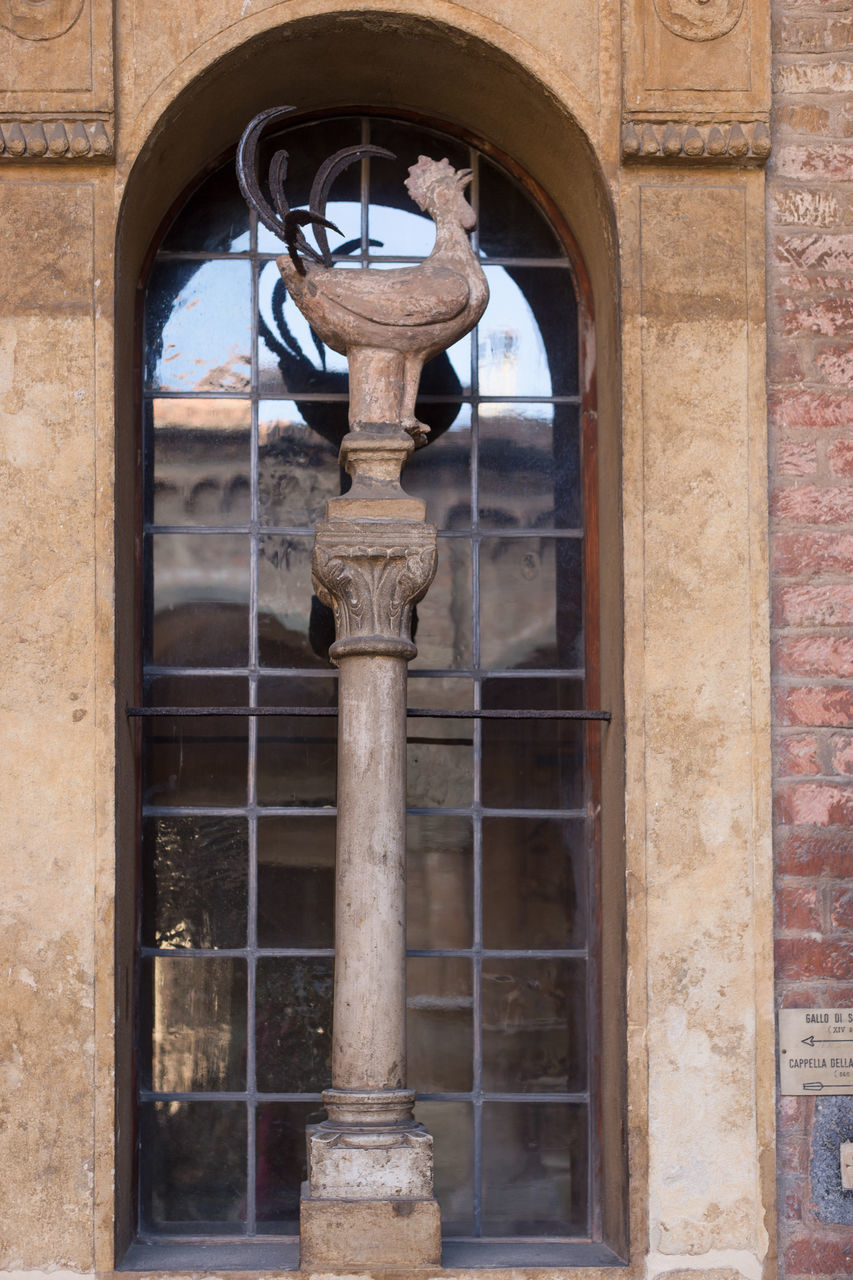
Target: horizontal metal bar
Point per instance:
(324, 953)
(149, 1095)
(423, 713)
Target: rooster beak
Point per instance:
(463, 178)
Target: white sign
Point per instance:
(816, 1051)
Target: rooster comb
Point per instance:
(427, 175)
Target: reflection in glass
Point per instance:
(197, 1008)
(451, 1126)
(202, 471)
(195, 875)
(442, 626)
(439, 753)
(533, 764)
(308, 146)
(195, 760)
(200, 599)
(534, 1025)
(195, 1170)
(534, 1169)
(291, 358)
(197, 329)
(441, 475)
(510, 224)
(215, 218)
(394, 220)
(439, 881)
(293, 1024)
(534, 883)
(439, 1024)
(296, 882)
(531, 598)
(512, 355)
(529, 466)
(281, 1162)
(297, 467)
(285, 595)
(297, 755)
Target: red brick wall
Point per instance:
(810, 381)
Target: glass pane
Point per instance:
(200, 599)
(439, 1024)
(281, 1162)
(194, 1170)
(297, 468)
(535, 1169)
(395, 222)
(195, 760)
(293, 1024)
(195, 877)
(307, 147)
(529, 458)
(534, 883)
(291, 358)
(511, 226)
(441, 472)
(296, 882)
(288, 619)
(528, 335)
(297, 754)
(197, 331)
(452, 1129)
(202, 471)
(197, 1008)
(439, 755)
(215, 218)
(533, 764)
(439, 882)
(531, 603)
(512, 355)
(441, 625)
(534, 1026)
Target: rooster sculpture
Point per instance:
(387, 323)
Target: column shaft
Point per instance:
(369, 1050)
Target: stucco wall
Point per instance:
(673, 233)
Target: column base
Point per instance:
(340, 1235)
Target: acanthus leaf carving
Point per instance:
(372, 585)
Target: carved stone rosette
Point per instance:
(371, 574)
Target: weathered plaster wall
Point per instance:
(685, 264)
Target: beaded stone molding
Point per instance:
(735, 142)
(54, 139)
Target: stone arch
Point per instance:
(465, 83)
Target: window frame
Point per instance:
(586, 1252)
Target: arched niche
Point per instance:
(426, 70)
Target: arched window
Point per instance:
(243, 412)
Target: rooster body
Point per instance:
(391, 322)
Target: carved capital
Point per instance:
(371, 573)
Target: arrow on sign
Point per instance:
(812, 1041)
(815, 1086)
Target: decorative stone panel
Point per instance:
(735, 142)
(56, 101)
(697, 80)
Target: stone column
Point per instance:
(369, 1195)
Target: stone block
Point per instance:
(341, 1235)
